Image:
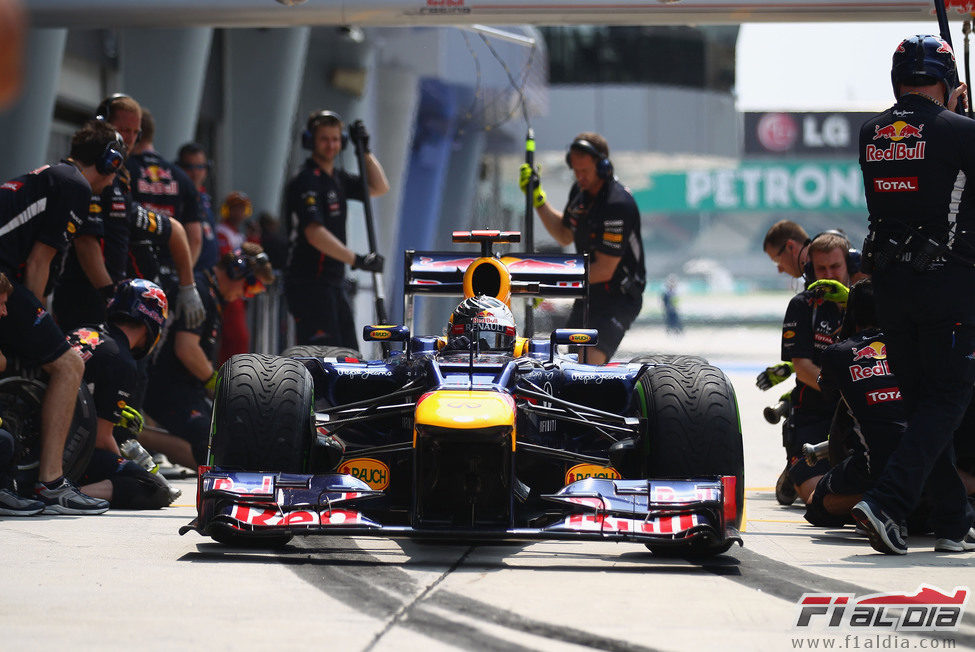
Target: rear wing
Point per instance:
(534, 274)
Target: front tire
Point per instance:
(694, 428)
(263, 417)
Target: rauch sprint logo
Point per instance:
(928, 609)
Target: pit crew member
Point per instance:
(315, 217)
(39, 213)
(160, 186)
(812, 321)
(603, 220)
(136, 315)
(192, 159)
(917, 158)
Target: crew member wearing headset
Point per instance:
(917, 158)
(40, 212)
(316, 214)
(603, 220)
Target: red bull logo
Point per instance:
(86, 336)
(898, 130)
(872, 351)
(857, 372)
(944, 48)
(155, 293)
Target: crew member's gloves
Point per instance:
(831, 290)
(525, 174)
(371, 262)
(211, 383)
(774, 375)
(359, 135)
(131, 420)
(190, 306)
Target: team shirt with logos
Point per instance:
(608, 223)
(917, 159)
(48, 205)
(858, 369)
(115, 219)
(314, 197)
(110, 368)
(208, 228)
(810, 326)
(163, 188)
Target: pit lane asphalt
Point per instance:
(126, 579)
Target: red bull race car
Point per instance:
(476, 435)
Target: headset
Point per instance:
(104, 110)
(236, 196)
(308, 135)
(853, 256)
(112, 157)
(604, 168)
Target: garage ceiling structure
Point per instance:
(387, 13)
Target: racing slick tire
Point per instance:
(21, 399)
(694, 430)
(314, 351)
(263, 417)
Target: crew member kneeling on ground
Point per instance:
(603, 220)
(811, 324)
(856, 372)
(183, 375)
(136, 315)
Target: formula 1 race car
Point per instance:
(478, 435)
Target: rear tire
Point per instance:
(21, 399)
(694, 428)
(263, 417)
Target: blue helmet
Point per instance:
(144, 302)
(924, 59)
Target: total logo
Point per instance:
(885, 395)
(895, 184)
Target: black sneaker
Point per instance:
(66, 499)
(886, 534)
(13, 505)
(785, 490)
(965, 544)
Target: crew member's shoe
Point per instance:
(13, 505)
(785, 491)
(65, 498)
(965, 544)
(886, 534)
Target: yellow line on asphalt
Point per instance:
(777, 520)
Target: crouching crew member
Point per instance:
(136, 315)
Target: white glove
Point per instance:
(190, 306)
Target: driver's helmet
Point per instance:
(143, 302)
(921, 60)
(489, 317)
